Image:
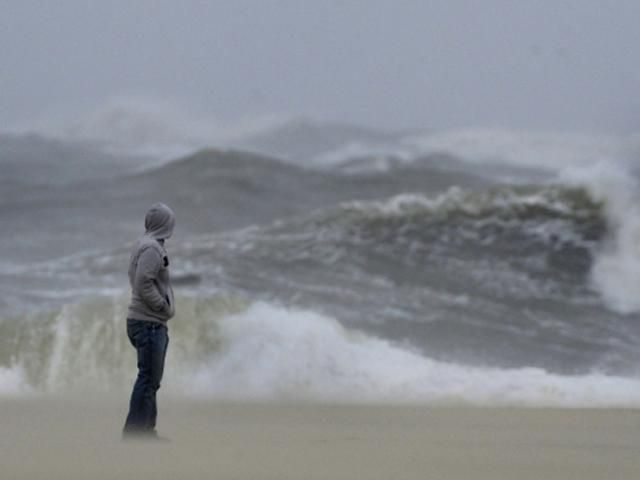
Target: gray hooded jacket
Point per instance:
(151, 292)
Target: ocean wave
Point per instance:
(162, 128)
(592, 209)
(506, 155)
(554, 214)
(504, 201)
(229, 349)
(552, 150)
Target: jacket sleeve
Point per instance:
(149, 264)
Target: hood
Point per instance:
(159, 222)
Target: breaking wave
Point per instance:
(231, 349)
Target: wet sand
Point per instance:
(71, 438)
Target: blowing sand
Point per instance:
(60, 438)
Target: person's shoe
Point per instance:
(143, 435)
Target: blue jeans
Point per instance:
(150, 339)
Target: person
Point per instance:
(152, 305)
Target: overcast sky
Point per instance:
(547, 64)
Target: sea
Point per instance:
(322, 262)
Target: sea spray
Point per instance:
(83, 345)
(616, 270)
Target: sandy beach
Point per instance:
(68, 439)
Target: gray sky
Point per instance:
(554, 64)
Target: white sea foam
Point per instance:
(271, 353)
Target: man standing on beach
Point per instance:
(151, 306)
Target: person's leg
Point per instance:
(150, 340)
(161, 343)
(137, 333)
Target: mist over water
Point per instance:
(318, 261)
